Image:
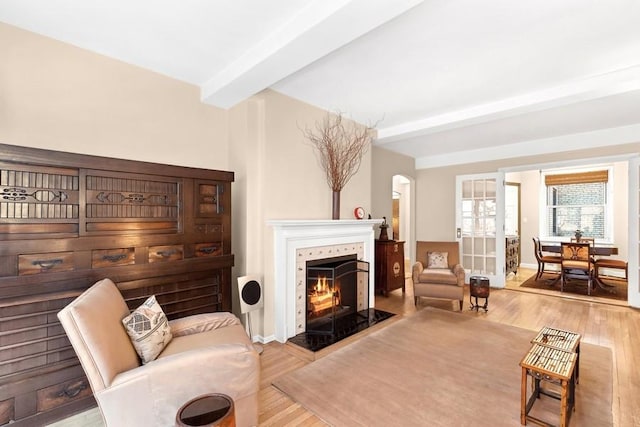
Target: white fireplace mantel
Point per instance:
(292, 235)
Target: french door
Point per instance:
(480, 212)
(633, 278)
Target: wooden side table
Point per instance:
(561, 340)
(207, 410)
(551, 365)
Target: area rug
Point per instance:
(440, 368)
(575, 287)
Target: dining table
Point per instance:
(598, 249)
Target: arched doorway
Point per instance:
(403, 223)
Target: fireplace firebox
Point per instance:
(337, 301)
(332, 291)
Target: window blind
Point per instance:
(577, 178)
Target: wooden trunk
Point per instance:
(69, 220)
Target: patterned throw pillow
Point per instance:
(148, 329)
(437, 260)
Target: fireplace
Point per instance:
(297, 242)
(337, 305)
(335, 287)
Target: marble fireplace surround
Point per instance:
(298, 241)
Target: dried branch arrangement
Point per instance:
(340, 148)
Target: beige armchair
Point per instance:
(442, 278)
(209, 353)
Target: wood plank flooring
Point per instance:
(613, 326)
(608, 325)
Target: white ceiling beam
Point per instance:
(322, 27)
(574, 142)
(613, 83)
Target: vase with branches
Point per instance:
(339, 147)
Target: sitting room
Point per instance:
(183, 186)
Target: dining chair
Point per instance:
(589, 240)
(576, 263)
(544, 260)
(610, 263)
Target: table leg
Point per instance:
(603, 285)
(563, 404)
(552, 282)
(578, 363)
(523, 398)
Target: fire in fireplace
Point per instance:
(336, 287)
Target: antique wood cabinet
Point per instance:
(389, 257)
(69, 220)
(512, 254)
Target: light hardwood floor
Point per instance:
(607, 325)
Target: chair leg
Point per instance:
(415, 301)
(540, 270)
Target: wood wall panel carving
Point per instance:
(69, 220)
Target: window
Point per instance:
(577, 201)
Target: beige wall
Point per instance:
(60, 97)
(529, 215)
(386, 164)
(57, 96)
(278, 177)
(530, 201)
(435, 187)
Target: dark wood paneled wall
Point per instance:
(68, 220)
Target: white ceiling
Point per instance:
(446, 81)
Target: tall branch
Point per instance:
(339, 148)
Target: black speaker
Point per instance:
(250, 292)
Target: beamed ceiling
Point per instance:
(447, 81)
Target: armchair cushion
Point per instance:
(438, 275)
(202, 322)
(148, 328)
(438, 260)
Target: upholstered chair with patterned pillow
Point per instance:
(437, 272)
(142, 367)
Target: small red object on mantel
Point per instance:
(358, 212)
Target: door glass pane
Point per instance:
(467, 192)
(478, 226)
(491, 188)
(490, 247)
(478, 189)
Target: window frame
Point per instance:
(543, 211)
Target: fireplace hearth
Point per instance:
(344, 327)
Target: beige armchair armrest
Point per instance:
(458, 270)
(232, 369)
(201, 323)
(416, 270)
